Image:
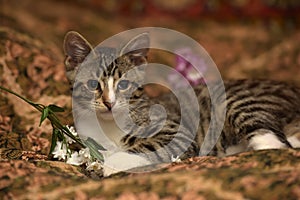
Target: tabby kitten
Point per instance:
(259, 114)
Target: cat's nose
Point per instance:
(109, 105)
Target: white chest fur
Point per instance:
(111, 130)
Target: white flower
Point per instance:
(175, 159)
(79, 158)
(75, 159)
(85, 155)
(60, 151)
(94, 166)
(73, 131)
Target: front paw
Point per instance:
(122, 161)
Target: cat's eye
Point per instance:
(93, 85)
(123, 84)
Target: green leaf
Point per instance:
(94, 147)
(55, 108)
(45, 114)
(55, 133)
(95, 144)
(60, 135)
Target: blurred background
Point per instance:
(245, 38)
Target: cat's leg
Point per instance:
(292, 132)
(162, 146)
(294, 140)
(238, 148)
(266, 139)
(123, 161)
(260, 127)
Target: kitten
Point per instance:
(259, 114)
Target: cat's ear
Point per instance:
(137, 46)
(76, 49)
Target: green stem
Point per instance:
(52, 117)
(16, 94)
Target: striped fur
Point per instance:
(255, 107)
(259, 114)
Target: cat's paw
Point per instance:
(265, 139)
(122, 161)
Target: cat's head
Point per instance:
(101, 76)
